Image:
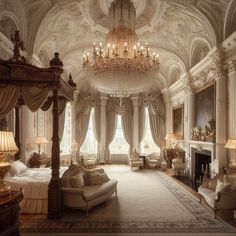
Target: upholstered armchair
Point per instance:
(178, 166)
(135, 161)
(219, 192)
(154, 160)
(89, 161)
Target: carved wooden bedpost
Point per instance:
(54, 190)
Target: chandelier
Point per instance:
(123, 55)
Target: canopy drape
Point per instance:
(8, 96)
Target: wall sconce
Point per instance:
(7, 146)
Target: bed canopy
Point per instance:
(23, 83)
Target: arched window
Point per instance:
(148, 145)
(90, 142)
(66, 141)
(119, 144)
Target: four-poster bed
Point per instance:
(23, 83)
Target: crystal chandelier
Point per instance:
(123, 55)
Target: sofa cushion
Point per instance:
(232, 180)
(208, 194)
(92, 192)
(94, 178)
(222, 187)
(77, 181)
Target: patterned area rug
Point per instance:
(148, 202)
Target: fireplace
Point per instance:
(201, 160)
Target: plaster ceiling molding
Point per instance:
(230, 19)
(96, 13)
(34, 12)
(199, 48)
(6, 47)
(70, 27)
(47, 51)
(174, 28)
(9, 23)
(215, 12)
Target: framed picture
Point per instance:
(204, 107)
(178, 121)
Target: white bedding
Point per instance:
(34, 183)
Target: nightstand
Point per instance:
(9, 214)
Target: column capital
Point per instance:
(231, 66)
(135, 101)
(186, 83)
(103, 101)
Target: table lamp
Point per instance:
(231, 144)
(40, 140)
(7, 146)
(170, 137)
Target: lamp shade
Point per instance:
(7, 142)
(231, 144)
(170, 136)
(40, 140)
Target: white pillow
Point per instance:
(17, 167)
(222, 187)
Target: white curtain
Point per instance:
(142, 123)
(97, 129)
(83, 110)
(127, 124)
(111, 123)
(156, 108)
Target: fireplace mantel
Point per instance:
(202, 145)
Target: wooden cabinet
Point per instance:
(9, 214)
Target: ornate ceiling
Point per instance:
(182, 31)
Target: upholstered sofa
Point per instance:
(80, 193)
(219, 192)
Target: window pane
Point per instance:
(119, 144)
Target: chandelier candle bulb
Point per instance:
(94, 47)
(138, 46)
(84, 59)
(87, 57)
(108, 50)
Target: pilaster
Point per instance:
(231, 66)
(220, 80)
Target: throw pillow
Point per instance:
(94, 178)
(17, 167)
(104, 177)
(77, 181)
(222, 187)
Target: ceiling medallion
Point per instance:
(123, 57)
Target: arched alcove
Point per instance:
(230, 20)
(174, 75)
(198, 51)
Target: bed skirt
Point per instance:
(34, 206)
